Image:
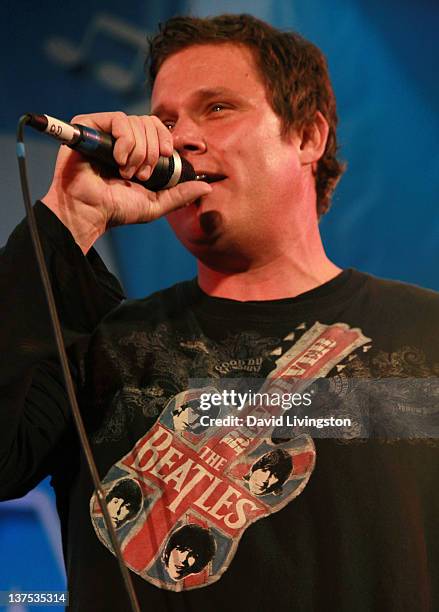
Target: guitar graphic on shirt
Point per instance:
(181, 499)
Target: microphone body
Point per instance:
(98, 146)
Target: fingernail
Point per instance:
(145, 173)
(127, 172)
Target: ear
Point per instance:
(313, 140)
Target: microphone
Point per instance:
(98, 146)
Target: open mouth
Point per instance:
(210, 177)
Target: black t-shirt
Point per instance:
(214, 517)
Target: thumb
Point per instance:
(182, 194)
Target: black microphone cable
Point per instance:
(21, 155)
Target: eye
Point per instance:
(217, 107)
(168, 124)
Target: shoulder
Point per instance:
(396, 314)
(168, 303)
(402, 298)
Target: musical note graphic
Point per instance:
(113, 75)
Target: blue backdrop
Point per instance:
(75, 57)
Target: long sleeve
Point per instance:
(34, 415)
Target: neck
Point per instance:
(287, 274)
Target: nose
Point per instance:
(119, 508)
(188, 136)
(184, 556)
(265, 479)
(187, 559)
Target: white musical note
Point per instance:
(71, 56)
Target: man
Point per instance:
(253, 109)
(188, 551)
(186, 416)
(124, 501)
(270, 472)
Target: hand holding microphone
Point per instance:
(89, 198)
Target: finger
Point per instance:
(115, 123)
(136, 158)
(122, 130)
(152, 148)
(166, 144)
(181, 195)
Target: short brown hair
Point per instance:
(293, 70)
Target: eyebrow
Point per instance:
(204, 93)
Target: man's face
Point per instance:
(179, 563)
(184, 418)
(261, 480)
(118, 510)
(215, 104)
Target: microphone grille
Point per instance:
(187, 171)
(166, 174)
